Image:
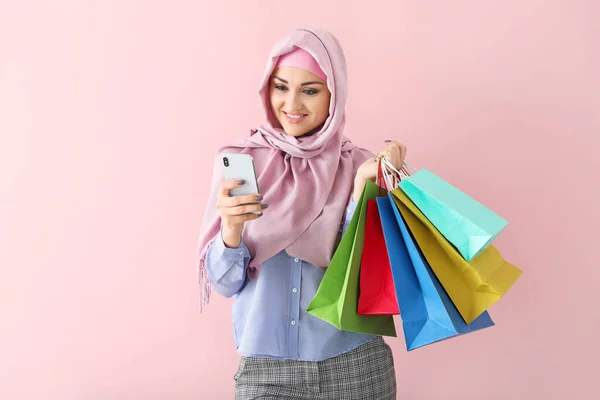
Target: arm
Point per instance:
(226, 267)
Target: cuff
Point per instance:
(227, 256)
(350, 210)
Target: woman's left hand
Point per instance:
(395, 153)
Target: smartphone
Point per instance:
(240, 166)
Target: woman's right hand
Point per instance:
(235, 211)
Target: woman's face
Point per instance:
(299, 100)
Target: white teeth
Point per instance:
(294, 116)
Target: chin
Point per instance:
(294, 130)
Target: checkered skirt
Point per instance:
(367, 372)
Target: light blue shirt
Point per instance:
(269, 313)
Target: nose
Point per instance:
(293, 102)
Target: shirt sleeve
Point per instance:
(349, 214)
(226, 267)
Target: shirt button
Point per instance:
(349, 211)
(241, 253)
(296, 259)
(294, 290)
(293, 322)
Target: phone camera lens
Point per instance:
(225, 161)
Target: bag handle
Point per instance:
(381, 182)
(385, 178)
(392, 174)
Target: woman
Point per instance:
(310, 177)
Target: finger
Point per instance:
(387, 153)
(252, 217)
(394, 158)
(400, 153)
(232, 201)
(243, 209)
(395, 146)
(403, 150)
(397, 153)
(390, 143)
(227, 185)
(233, 221)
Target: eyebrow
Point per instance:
(302, 84)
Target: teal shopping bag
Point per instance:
(464, 222)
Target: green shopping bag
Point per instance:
(336, 300)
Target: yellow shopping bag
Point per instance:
(472, 286)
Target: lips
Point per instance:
(294, 118)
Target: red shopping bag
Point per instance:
(377, 293)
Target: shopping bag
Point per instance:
(428, 315)
(377, 295)
(472, 286)
(336, 300)
(464, 222)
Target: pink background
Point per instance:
(110, 113)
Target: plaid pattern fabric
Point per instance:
(367, 372)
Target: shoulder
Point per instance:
(354, 150)
(359, 155)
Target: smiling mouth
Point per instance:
(294, 118)
(295, 115)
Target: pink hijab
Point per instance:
(307, 181)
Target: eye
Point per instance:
(310, 92)
(280, 87)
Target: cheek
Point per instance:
(274, 99)
(322, 107)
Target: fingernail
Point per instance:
(241, 182)
(387, 141)
(258, 198)
(260, 214)
(263, 206)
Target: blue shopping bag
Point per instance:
(464, 222)
(428, 315)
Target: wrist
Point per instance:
(232, 237)
(359, 183)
